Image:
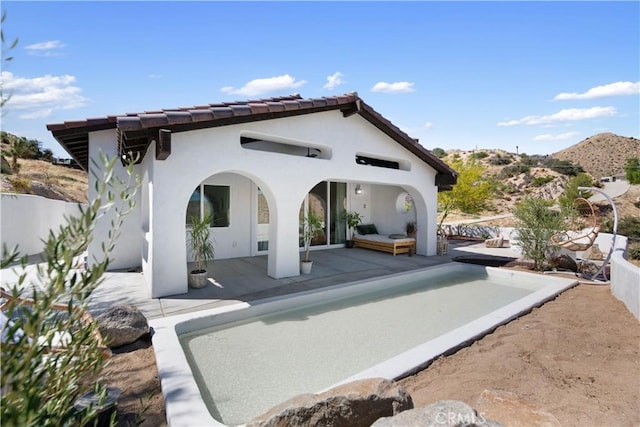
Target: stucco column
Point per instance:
(284, 252)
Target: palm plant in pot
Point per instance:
(201, 249)
(312, 229)
(353, 220)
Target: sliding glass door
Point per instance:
(327, 200)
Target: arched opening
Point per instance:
(239, 214)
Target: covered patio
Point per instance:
(244, 279)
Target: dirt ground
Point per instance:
(576, 357)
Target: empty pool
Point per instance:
(228, 365)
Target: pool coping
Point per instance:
(184, 404)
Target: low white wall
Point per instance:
(26, 220)
(625, 278)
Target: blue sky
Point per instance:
(541, 76)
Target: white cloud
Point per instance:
(428, 125)
(155, 76)
(40, 96)
(261, 86)
(334, 80)
(558, 137)
(612, 89)
(397, 87)
(47, 48)
(568, 114)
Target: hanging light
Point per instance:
(358, 189)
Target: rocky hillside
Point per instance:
(604, 154)
(44, 179)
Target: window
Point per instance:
(211, 200)
(365, 159)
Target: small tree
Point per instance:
(536, 223)
(632, 170)
(40, 386)
(571, 192)
(472, 192)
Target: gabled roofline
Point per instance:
(137, 130)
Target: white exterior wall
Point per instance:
(126, 253)
(215, 155)
(27, 220)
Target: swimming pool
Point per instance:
(225, 366)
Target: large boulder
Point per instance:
(563, 262)
(443, 413)
(355, 404)
(122, 324)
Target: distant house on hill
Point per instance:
(258, 166)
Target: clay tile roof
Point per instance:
(137, 130)
(201, 115)
(258, 108)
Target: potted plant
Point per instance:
(411, 228)
(312, 229)
(201, 248)
(353, 220)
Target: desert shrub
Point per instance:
(498, 160)
(564, 167)
(539, 181)
(628, 226)
(20, 184)
(637, 204)
(528, 160)
(633, 251)
(40, 387)
(479, 155)
(536, 223)
(439, 152)
(513, 170)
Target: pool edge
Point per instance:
(184, 405)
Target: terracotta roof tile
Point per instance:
(201, 115)
(275, 107)
(258, 108)
(221, 112)
(240, 110)
(178, 117)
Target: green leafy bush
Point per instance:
(571, 192)
(632, 169)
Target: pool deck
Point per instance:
(245, 279)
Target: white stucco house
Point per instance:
(258, 166)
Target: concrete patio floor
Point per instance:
(245, 279)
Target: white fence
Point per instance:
(26, 220)
(625, 280)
